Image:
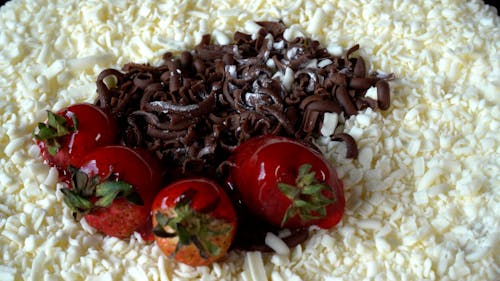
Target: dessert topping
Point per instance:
(71, 133)
(113, 189)
(196, 108)
(286, 183)
(194, 221)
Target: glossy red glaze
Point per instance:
(207, 199)
(122, 218)
(95, 128)
(206, 194)
(262, 162)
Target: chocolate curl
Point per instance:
(105, 94)
(383, 94)
(359, 68)
(345, 101)
(352, 148)
(196, 107)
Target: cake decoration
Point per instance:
(420, 195)
(228, 113)
(194, 109)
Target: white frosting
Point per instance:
(422, 199)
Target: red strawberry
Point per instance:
(71, 133)
(194, 221)
(114, 188)
(286, 183)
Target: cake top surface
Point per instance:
(422, 196)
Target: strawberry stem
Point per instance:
(85, 188)
(55, 128)
(196, 227)
(109, 190)
(307, 195)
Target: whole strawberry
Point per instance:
(286, 183)
(113, 189)
(68, 135)
(194, 221)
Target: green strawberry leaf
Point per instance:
(307, 179)
(107, 199)
(44, 132)
(192, 227)
(162, 219)
(58, 123)
(290, 212)
(75, 201)
(109, 190)
(184, 237)
(81, 182)
(53, 149)
(85, 188)
(288, 190)
(313, 189)
(55, 128)
(322, 212)
(304, 170)
(308, 217)
(307, 195)
(303, 204)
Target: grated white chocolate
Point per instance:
(422, 198)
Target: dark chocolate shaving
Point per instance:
(196, 108)
(352, 148)
(383, 94)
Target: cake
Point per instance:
(422, 195)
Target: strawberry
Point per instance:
(194, 221)
(286, 183)
(71, 133)
(113, 189)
